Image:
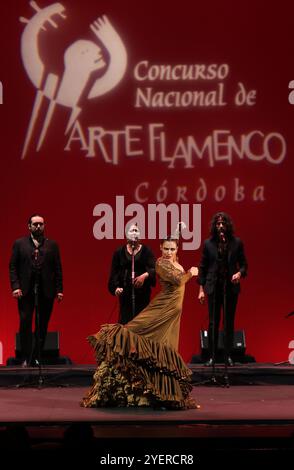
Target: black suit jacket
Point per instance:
(208, 266)
(21, 267)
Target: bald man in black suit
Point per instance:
(36, 280)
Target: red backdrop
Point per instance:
(215, 77)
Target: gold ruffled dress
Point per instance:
(139, 363)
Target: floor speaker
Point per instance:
(239, 343)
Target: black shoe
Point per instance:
(209, 363)
(230, 361)
(34, 363)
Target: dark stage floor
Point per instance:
(251, 419)
(81, 375)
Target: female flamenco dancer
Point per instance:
(139, 363)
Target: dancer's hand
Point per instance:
(194, 271)
(60, 296)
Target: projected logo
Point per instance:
(82, 59)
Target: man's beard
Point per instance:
(38, 235)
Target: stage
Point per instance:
(251, 419)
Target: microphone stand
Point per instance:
(213, 345)
(223, 283)
(213, 379)
(37, 336)
(133, 279)
(36, 346)
(226, 355)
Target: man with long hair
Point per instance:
(223, 264)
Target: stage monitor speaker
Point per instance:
(239, 343)
(51, 347)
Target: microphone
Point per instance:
(178, 231)
(134, 242)
(222, 236)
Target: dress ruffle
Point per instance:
(136, 371)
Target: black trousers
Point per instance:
(26, 309)
(222, 300)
